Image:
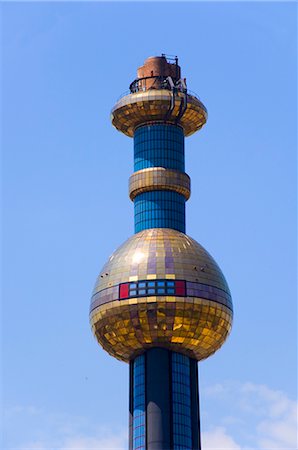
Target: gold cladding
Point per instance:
(159, 178)
(153, 105)
(126, 329)
(191, 325)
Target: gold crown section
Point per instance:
(159, 94)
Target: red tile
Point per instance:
(123, 291)
(180, 287)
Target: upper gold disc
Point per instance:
(155, 105)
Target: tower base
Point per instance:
(164, 402)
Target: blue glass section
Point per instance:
(182, 432)
(139, 422)
(159, 209)
(159, 145)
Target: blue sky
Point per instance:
(66, 208)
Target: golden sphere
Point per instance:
(161, 289)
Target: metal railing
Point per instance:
(139, 85)
(127, 92)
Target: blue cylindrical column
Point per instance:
(159, 145)
(159, 209)
(164, 402)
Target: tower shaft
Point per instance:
(164, 401)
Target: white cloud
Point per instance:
(108, 442)
(262, 418)
(46, 430)
(218, 439)
(280, 432)
(237, 416)
(278, 428)
(100, 442)
(112, 442)
(215, 389)
(18, 409)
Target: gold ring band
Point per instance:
(159, 179)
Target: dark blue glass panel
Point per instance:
(139, 423)
(182, 432)
(159, 209)
(159, 145)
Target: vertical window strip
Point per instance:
(139, 413)
(181, 401)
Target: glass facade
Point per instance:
(159, 145)
(163, 396)
(139, 414)
(159, 209)
(182, 430)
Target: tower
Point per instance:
(161, 303)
